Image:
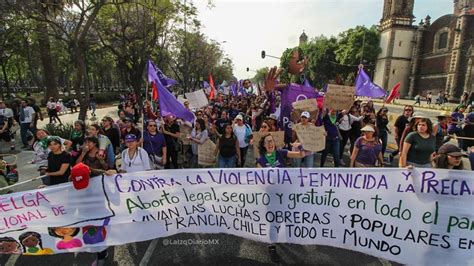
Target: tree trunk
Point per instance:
(7, 84)
(80, 62)
(31, 69)
(49, 78)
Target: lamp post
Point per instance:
(264, 54)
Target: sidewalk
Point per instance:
(403, 102)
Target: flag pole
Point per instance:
(144, 106)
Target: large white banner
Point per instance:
(422, 216)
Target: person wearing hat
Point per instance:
(308, 159)
(449, 157)
(419, 145)
(243, 132)
(134, 158)
(367, 149)
(440, 129)
(129, 129)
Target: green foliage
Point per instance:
(260, 75)
(63, 131)
(331, 56)
(352, 46)
(321, 57)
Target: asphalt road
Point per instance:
(226, 249)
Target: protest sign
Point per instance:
(181, 99)
(197, 99)
(278, 136)
(339, 97)
(206, 154)
(306, 105)
(417, 217)
(311, 137)
(184, 132)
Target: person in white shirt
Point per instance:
(6, 123)
(243, 132)
(27, 118)
(52, 106)
(345, 124)
(134, 158)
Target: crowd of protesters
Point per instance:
(124, 144)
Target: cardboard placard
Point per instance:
(306, 105)
(197, 99)
(278, 136)
(206, 154)
(339, 97)
(311, 137)
(184, 132)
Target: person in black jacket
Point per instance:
(112, 132)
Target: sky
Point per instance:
(245, 27)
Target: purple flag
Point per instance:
(233, 88)
(167, 82)
(205, 84)
(306, 83)
(365, 87)
(294, 92)
(169, 105)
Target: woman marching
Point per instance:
(419, 145)
(382, 126)
(198, 136)
(227, 149)
(367, 149)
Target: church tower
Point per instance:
(303, 39)
(396, 42)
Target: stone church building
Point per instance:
(436, 56)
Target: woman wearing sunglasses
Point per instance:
(154, 144)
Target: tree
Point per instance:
(320, 52)
(357, 44)
(260, 75)
(135, 33)
(193, 57)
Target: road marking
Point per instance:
(384, 262)
(12, 260)
(149, 252)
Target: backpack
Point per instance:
(248, 133)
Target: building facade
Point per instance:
(436, 57)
